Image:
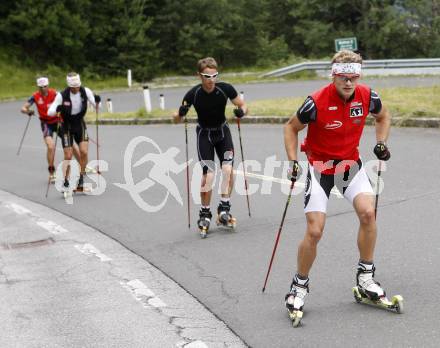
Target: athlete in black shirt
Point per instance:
(209, 99)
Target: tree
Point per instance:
(157, 36)
(226, 30)
(49, 32)
(120, 39)
(136, 50)
(185, 35)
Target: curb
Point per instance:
(424, 122)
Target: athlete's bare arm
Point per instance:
(383, 124)
(176, 117)
(237, 101)
(25, 108)
(291, 130)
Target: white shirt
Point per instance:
(76, 102)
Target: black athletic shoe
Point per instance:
(80, 185)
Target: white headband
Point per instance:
(346, 68)
(73, 81)
(42, 82)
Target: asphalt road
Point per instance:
(226, 271)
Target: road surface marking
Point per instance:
(281, 181)
(142, 294)
(89, 249)
(48, 225)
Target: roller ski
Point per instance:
(295, 301)
(205, 216)
(80, 186)
(91, 170)
(52, 176)
(370, 292)
(67, 192)
(224, 217)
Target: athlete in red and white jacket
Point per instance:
(43, 98)
(335, 117)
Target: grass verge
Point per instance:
(19, 77)
(402, 102)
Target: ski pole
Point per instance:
(279, 234)
(244, 169)
(379, 171)
(67, 177)
(93, 141)
(24, 133)
(97, 140)
(53, 159)
(187, 171)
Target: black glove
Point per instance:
(183, 110)
(381, 151)
(294, 171)
(238, 112)
(97, 99)
(31, 112)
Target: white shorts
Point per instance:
(350, 184)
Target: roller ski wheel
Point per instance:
(229, 223)
(80, 186)
(82, 190)
(203, 232)
(66, 191)
(204, 221)
(295, 316)
(396, 303)
(203, 228)
(369, 291)
(224, 217)
(90, 170)
(52, 178)
(70, 193)
(294, 301)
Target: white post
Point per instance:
(162, 102)
(147, 99)
(109, 106)
(129, 78)
(242, 95)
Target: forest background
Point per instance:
(154, 38)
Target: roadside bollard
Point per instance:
(109, 106)
(129, 78)
(162, 102)
(147, 99)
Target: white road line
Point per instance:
(51, 226)
(48, 225)
(18, 209)
(281, 181)
(89, 249)
(156, 302)
(195, 344)
(142, 294)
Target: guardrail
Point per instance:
(367, 64)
